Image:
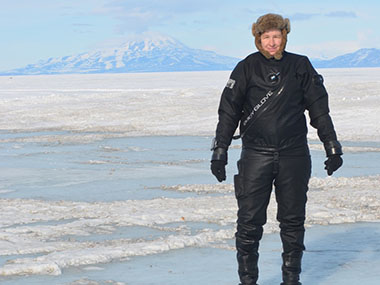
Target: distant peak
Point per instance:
(364, 57)
(149, 38)
(148, 52)
(366, 51)
(150, 41)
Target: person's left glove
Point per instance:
(218, 168)
(218, 163)
(332, 163)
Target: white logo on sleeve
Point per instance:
(230, 83)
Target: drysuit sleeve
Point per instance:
(316, 102)
(231, 106)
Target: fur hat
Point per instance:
(266, 23)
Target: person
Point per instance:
(268, 93)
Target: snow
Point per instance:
(89, 178)
(172, 103)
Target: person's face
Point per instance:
(271, 41)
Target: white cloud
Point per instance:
(325, 50)
(141, 15)
(301, 16)
(368, 38)
(341, 14)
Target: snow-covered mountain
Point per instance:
(366, 57)
(152, 54)
(157, 53)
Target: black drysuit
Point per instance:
(269, 98)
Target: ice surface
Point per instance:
(165, 103)
(22, 233)
(86, 183)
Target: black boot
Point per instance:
(291, 268)
(248, 269)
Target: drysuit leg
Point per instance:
(253, 186)
(291, 184)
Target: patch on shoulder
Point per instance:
(230, 83)
(318, 79)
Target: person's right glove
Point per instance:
(218, 163)
(332, 163)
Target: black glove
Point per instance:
(218, 168)
(332, 163)
(218, 163)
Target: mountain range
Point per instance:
(162, 53)
(366, 57)
(152, 54)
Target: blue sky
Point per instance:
(40, 29)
